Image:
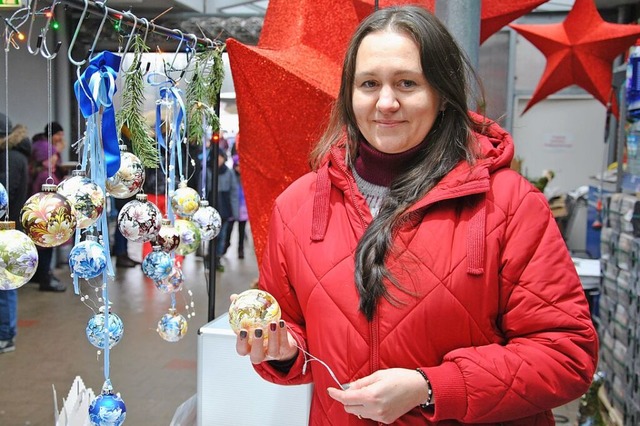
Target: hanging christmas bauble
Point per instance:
(95, 329)
(107, 409)
(48, 218)
(172, 283)
(129, 178)
(208, 220)
(157, 265)
(185, 200)
(86, 197)
(4, 200)
(139, 220)
(172, 326)
(252, 309)
(189, 236)
(168, 238)
(87, 258)
(18, 257)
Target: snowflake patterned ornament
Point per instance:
(87, 258)
(107, 409)
(168, 238)
(18, 257)
(129, 178)
(185, 201)
(86, 197)
(95, 329)
(208, 220)
(189, 236)
(4, 200)
(172, 326)
(139, 220)
(157, 265)
(48, 218)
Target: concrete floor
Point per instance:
(153, 376)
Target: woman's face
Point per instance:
(394, 105)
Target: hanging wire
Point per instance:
(6, 111)
(49, 115)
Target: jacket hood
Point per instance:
(495, 143)
(17, 136)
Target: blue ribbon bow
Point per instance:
(94, 89)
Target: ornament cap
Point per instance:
(182, 184)
(49, 187)
(107, 388)
(123, 148)
(77, 172)
(5, 225)
(91, 238)
(166, 222)
(204, 203)
(156, 247)
(141, 197)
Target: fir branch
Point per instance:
(202, 93)
(130, 114)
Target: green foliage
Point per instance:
(202, 93)
(130, 113)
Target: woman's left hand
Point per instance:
(383, 396)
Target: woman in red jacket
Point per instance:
(426, 274)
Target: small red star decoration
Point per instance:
(579, 51)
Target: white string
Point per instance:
(313, 358)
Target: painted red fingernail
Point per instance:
(243, 334)
(281, 323)
(272, 326)
(258, 333)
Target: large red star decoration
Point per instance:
(286, 85)
(579, 51)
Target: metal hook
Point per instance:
(104, 19)
(135, 67)
(171, 67)
(75, 36)
(34, 4)
(45, 52)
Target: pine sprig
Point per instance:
(130, 113)
(202, 93)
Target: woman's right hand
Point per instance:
(279, 346)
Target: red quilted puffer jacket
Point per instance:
(500, 325)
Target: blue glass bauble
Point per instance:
(95, 330)
(208, 220)
(107, 409)
(87, 259)
(172, 283)
(157, 265)
(172, 326)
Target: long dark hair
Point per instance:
(450, 140)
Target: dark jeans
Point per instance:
(8, 314)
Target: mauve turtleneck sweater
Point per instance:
(375, 170)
